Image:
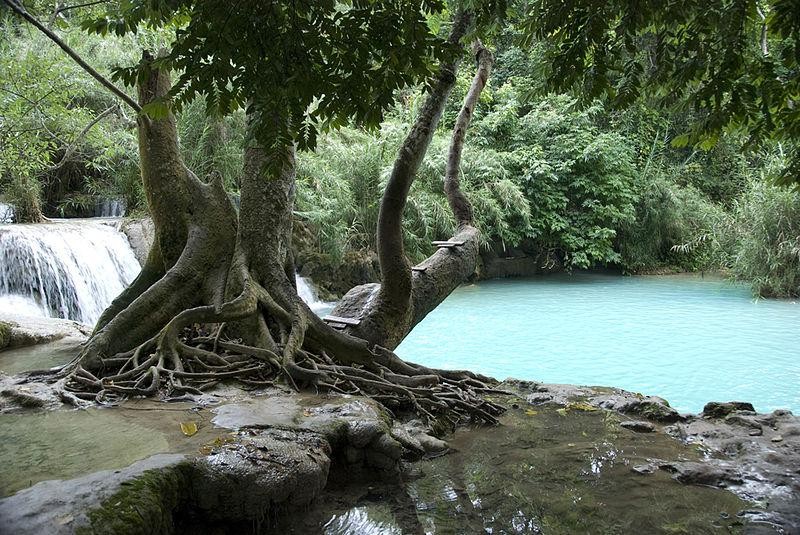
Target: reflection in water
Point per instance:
(540, 472)
(367, 521)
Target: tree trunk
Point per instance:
(388, 311)
(194, 235)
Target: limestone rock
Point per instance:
(638, 426)
(715, 409)
(63, 507)
(140, 234)
(247, 478)
(22, 331)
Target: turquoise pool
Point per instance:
(685, 338)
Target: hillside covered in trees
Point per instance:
(570, 183)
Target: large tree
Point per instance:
(216, 297)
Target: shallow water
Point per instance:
(688, 339)
(39, 446)
(39, 357)
(541, 472)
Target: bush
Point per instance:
(676, 227)
(768, 237)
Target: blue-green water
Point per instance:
(687, 339)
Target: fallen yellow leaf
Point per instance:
(188, 428)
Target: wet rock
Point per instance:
(760, 447)
(5, 334)
(362, 432)
(719, 474)
(140, 234)
(353, 455)
(716, 409)
(644, 469)
(651, 408)
(742, 420)
(791, 430)
(23, 399)
(429, 443)
(64, 507)
(638, 426)
(14, 396)
(354, 302)
(21, 331)
(552, 393)
(263, 469)
(378, 461)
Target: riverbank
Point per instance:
(237, 458)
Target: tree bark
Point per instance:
(194, 236)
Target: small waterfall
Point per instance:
(65, 269)
(307, 292)
(109, 208)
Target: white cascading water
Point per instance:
(109, 208)
(65, 269)
(307, 292)
(73, 269)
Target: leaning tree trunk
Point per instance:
(388, 311)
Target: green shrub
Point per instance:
(768, 239)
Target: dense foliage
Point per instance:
(300, 67)
(63, 140)
(569, 180)
(735, 62)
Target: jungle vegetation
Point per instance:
(580, 185)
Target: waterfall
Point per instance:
(109, 208)
(307, 292)
(65, 269)
(74, 268)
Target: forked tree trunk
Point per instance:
(389, 310)
(195, 229)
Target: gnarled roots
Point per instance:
(193, 353)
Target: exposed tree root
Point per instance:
(188, 358)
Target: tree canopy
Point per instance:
(735, 62)
(308, 65)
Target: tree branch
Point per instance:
(22, 12)
(395, 270)
(462, 209)
(62, 9)
(72, 147)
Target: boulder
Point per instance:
(715, 409)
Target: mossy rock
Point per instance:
(5, 334)
(144, 505)
(714, 409)
(655, 411)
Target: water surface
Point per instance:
(543, 471)
(688, 339)
(44, 445)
